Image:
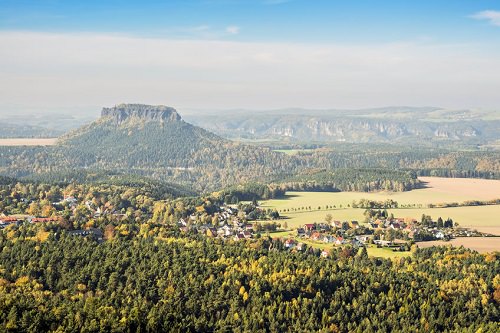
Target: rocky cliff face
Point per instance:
(123, 112)
(416, 127)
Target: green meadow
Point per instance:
(294, 207)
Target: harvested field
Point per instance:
(28, 142)
(483, 189)
(480, 244)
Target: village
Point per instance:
(249, 221)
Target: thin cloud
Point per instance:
(52, 70)
(492, 16)
(233, 30)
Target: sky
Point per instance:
(262, 54)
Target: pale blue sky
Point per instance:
(252, 54)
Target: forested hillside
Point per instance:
(151, 141)
(438, 162)
(149, 278)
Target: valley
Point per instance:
(265, 166)
(117, 203)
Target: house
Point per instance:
(337, 224)
(323, 226)
(247, 234)
(345, 225)
(439, 234)
(354, 224)
(328, 239)
(382, 242)
(44, 219)
(325, 254)
(239, 237)
(300, 231)
(315, 236)
(227, 230)
(309, 227)
(364, 238)
(300, 247)
(95, 232)
(289, 243)
(339, 241)
(8, 220)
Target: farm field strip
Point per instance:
(28, 142)
(480, 244)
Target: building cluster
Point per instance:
(229, 224)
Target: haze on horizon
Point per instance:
(223, 54)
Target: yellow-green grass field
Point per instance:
(439, 190)
(385, 252)
(483, 218)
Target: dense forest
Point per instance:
(150, 278)
(472, 164)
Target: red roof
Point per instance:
(44, 219)
(8, 219)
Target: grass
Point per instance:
(283, 234)
(483, 218)
(293, 151)
(385, 252)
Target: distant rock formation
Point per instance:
(123, 112)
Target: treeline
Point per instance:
(372, 204)
(361, 180)
(149, 278)
(158, 189)
(452, 173)
(364, 180)
(250, 192)
(465, 203)
(428, 162)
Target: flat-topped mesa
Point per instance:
(123, 112)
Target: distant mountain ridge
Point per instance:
(385, 125)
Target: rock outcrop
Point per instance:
(124, 112)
